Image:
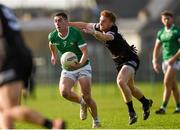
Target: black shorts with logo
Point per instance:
(17, 68)
(134, 63)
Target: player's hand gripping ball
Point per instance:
(68, 59)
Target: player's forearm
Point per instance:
(156, 52)
(52, 50)
(178, 53)
(84, 58)
(155, 56)
(102, 37)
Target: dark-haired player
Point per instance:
(169, 39)
(69, 39)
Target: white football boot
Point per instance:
(96, 124)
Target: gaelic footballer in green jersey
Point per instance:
(64, 39)
(72, 42)
(169, 39)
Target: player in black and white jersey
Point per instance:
(124, 56)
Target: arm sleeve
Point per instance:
(80, 39)
(158, 39)
(96, 26)
(179, 36)
(112, 34)
(50, 39)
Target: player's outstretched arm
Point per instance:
(89, 29)
(81, 25)
(104, 37)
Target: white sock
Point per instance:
(163, 108)
(82, 101)
(177, 108)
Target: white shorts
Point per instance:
(176, 66)
(76, 74)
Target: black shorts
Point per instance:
(17, 68)
(134, 63)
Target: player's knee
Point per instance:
(64, 93)
(22, 112)
(121, 82)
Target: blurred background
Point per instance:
(138, 21)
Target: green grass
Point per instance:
(112, 110)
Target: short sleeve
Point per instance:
(50, 38)
(96, 26)
(111, 33)
(158, 38)
(80, 39)
(179, 35)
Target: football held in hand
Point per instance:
(68, 59)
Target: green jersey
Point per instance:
(170, 40)
(72, 42)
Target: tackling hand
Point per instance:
(88, 31)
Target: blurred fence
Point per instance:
(102, 67)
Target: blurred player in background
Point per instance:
(69, 39)
(15, 70)
(29, 91)
(124, 56)
(169, 39)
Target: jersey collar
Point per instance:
(168, 30)
(65, 36)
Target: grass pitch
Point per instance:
(112, 110)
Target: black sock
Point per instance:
(130, 107)
(144, 101)
(47, 124)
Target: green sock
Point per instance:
(164, 105)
